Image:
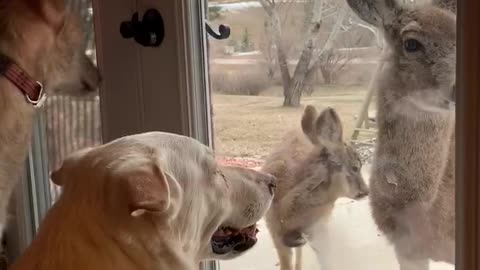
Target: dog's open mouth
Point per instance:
(227, 239)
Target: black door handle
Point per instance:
(149, 32)
(224, 31)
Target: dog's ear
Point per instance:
(58, 176)
(51, 11)
(148, 191)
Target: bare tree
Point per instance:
(312, 52)
(332, 62)
(288, 37)
(336, 59)
(268, 51)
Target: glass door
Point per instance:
(242, 95)
(281, 57)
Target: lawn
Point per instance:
(250, 126)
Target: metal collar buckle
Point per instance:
(40, 100)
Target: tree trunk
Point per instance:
(310, 80)
(284, 71)
(294, 94)
(270, 72)
(293, 85)
(282, 58)
(293, 90)
(326, 74)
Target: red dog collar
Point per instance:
(30, 88)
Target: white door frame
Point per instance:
(162, 88)
(171, 81)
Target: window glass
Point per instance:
(281, 57)
(73, 117)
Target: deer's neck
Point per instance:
(413, 146)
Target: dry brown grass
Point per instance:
(247, 126)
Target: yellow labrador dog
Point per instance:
(40, 54)
(148, 201)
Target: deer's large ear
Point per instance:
(329, 127)
(446, 4)
(147, 190)
(375, 12)
(308, 120)
(51, 11)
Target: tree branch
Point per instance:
(268, 6)
(272, 13)
(372, 29)
(333, 35)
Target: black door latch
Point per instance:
(149, 32)
(224, 31)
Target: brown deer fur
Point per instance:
(314, 167)
(413, 177)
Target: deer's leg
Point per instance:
(321, 243)
(409, 263)
(298, 258)
(285, 253)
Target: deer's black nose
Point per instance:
(272, 184)
(362, 195)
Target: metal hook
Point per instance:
(224, 31)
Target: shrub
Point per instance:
(214, 13)
(250, 83)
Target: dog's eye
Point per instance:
(355, 168)
(412, 45)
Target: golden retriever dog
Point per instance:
(39, 53)
(149, 201)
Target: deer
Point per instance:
(313, 167)
(412, 185)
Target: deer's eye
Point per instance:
(412, 45)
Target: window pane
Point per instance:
(73, 117)
(280, 57)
